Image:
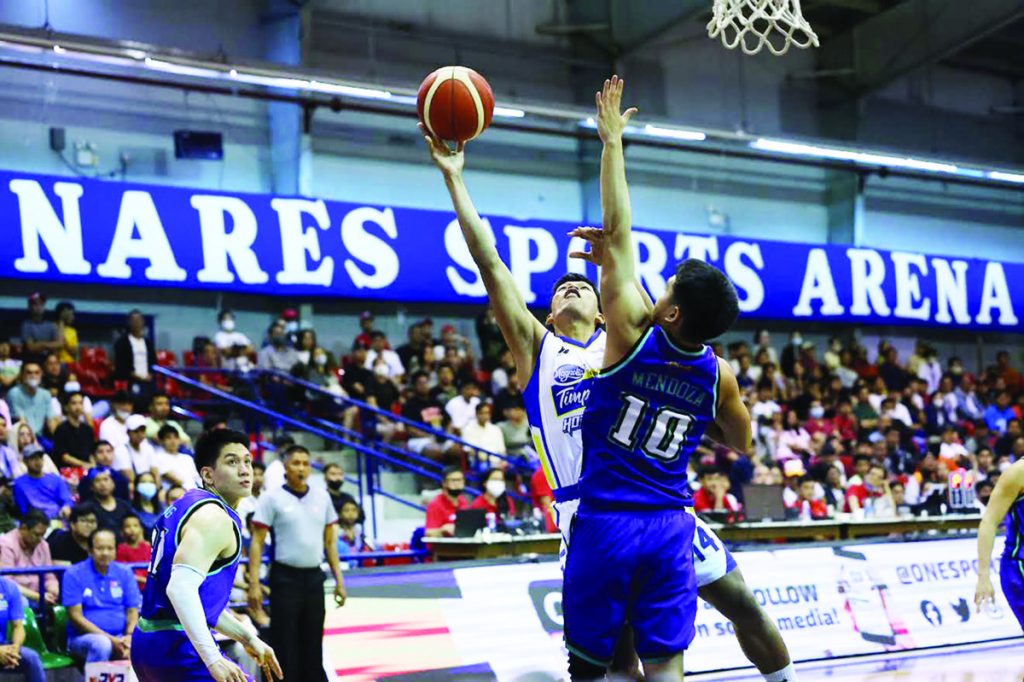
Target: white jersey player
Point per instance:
(555, 368)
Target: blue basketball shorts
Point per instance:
(167, 656)
(1011, 577)
(630, 567)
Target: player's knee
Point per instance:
(582, 670)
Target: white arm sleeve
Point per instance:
(183, 593)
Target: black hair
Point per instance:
(62, 306)
(259, 465)
(858, 458)
(807, 478)
(449, 470)
(576, 277)
(34, 517)
(708, 470)
(332, 465)
(377, 334)
(420, 373)
(130, 515)
(210, 444)
(292, 449)
(224, 313)
(120, 397)
(158, 394)
(97, 444)
(72, 394)
(706, 299)
(213, 419)
(166, 430)
(80, 510)
(97, 532)
(484, 403)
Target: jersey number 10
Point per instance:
(664, 438)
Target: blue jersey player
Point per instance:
(196, 546)
(1007, 501)
(660, 390)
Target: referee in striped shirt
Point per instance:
(303, 524)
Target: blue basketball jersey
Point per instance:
(215, 590)
(645, 416)
(1014, 547)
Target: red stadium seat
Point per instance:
(189, 358)
(94, 357)
(166, 358)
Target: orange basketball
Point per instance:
(455, 103)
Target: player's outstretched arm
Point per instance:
(594, 236)
(625, 313)
(208, 534)
(1007, 490)
(522, 332)
(732, 417)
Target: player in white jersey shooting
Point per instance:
(556, 366)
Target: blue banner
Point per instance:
(80, 230)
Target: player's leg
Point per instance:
(596, 589)
(721, 584)
(625, 662)
(664, 602)
(758, 636)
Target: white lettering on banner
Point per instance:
(867, 273)
(458, 251)
(995, 294)
(369, 248)
(908, 286)
(691, 246)
(39, 222)
(520, 262)
(850, 600)
(743, 275)
(950, 291)
(649, 269)
(138, 212)
(219, 245)
(297, 241)
(818, 284)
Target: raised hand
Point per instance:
(449, 161)
(610, 122)
(593, 236)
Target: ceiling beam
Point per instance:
(909, 36)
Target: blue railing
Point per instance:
(371, 452)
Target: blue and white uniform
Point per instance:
(161, 651)
(555, 399)
(632, 555)
(1011, 568)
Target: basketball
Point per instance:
(455, 103)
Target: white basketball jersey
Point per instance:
(555, 398)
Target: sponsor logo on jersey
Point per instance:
(568, 374)
(570, 398)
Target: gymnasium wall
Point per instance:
(358, 157)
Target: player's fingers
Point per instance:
(629, 113)
(582, 255)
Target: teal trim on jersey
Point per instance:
(145, 625)
(587, 657)
(192, 510)
(1020, 529)
(718, 380)
(609, 371)
(691, 353)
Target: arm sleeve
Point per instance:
(183, 593)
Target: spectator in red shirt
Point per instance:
(495, 498)
(133, 549)
(816, 422)
(365, 330)
(875, 487)
(441, 510)
(805, 506)
(543, 498)
(845, 422)
(713, 495)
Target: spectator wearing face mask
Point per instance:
(334, 477)
(234, 346)
(73, 439)
(379, 348)
(145, 503)
(29, 401)
(495, 498)
(440, 520)
(112, 429)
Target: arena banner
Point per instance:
(506, 620)
(84, 230)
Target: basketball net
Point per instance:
(753, 25)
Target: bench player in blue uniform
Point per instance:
(660, 390)
(551, 367)
(196, 546)
(1007, 501)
